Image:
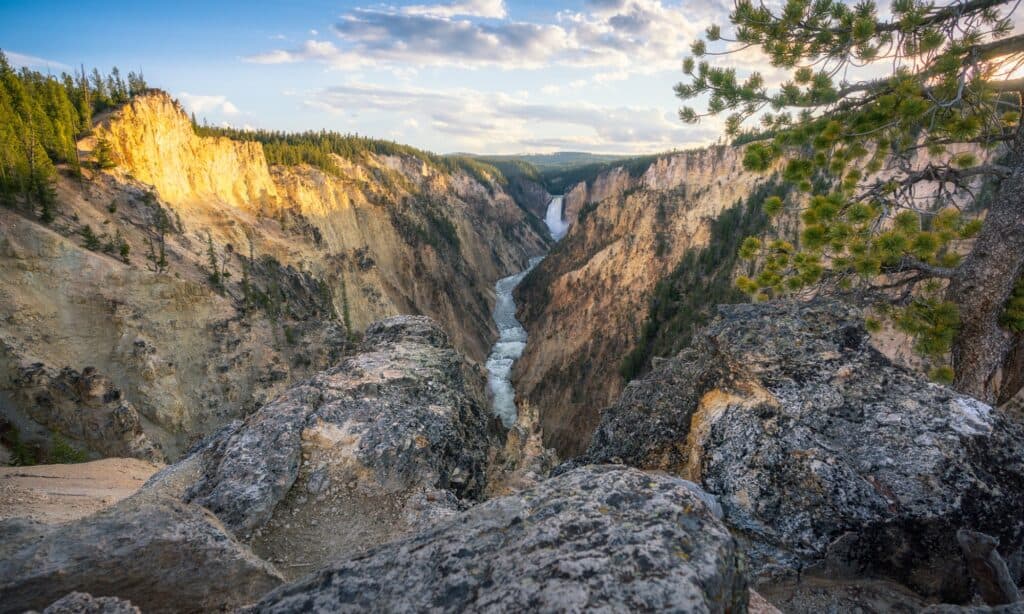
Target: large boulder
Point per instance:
(596, 538)
(827, 459)
(84, 603)
(395, 437)
(161, 554)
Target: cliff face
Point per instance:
(153, 140)
(240, 278)
(585, 304)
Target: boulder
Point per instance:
(396, 436)
(827, 458)
(596, 538)
(84, 603)
(160, 553)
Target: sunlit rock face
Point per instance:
(584, 306)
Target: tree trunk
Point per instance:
(984, 283)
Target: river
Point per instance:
(511, 334)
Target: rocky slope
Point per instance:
(393, 438)
(594, 539)
(585, 304)
(837, 470)
(240, 279)
(369, 478)
(822, 473)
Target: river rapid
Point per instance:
(511, 334)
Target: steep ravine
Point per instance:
(512, 337)
(157, 348)
(584, 305)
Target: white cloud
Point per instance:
(481, 121)
(208, 104)
(629, 36)
(493, 9)
(30, 61)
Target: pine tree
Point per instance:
(212, 262)
(123, 248)
(948, 91)
(103, 154)
(91, 241)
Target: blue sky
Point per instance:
(487, 76)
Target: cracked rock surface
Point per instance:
(597, 538)
(826, 458)
(395, 437)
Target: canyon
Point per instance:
(301, 262)
(410, 382)
(586, 303)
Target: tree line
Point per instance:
(318, 147)
(41, 118)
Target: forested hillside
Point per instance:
(41, 117)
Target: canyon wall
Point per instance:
(208, 280)
(585, 304)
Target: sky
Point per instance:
(481, 76)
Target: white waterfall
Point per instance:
(553, 218)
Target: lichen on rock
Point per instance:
(826, 457)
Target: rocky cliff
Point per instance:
(848, 479)
(199, 281)
(585, 304)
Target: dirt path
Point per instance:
(59, 493)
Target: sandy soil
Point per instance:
(59, 493)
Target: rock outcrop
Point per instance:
(85, 406)
(597, 538)
(396, 436)
(828, 460)
(84, 603)
(159, 553)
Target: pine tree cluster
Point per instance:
(41, 118)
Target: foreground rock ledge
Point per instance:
(827, 458)
(163, 555)
(393, 438)
(603, 538)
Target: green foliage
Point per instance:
(89, 238)
(22, 455)
(932, 322)
(213, 268)
(62, 452)
(942, 375)
(702, 279)
(862, 230)
(102, 154)
(41, 117)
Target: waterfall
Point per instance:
(553, 218)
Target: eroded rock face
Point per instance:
(396, 436)
(84, 603)
(86, 406)
(159, 553)
(825, 456)
(585, 304)
(597, 538)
